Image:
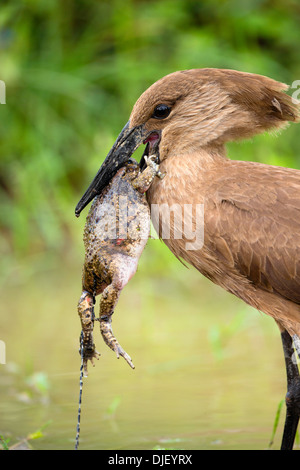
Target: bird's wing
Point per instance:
(253, 220)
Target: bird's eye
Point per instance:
(161, 111)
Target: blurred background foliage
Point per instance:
(73, 71)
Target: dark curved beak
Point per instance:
(127, 142)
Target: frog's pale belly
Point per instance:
(122, 225)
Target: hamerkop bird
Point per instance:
(251, 210)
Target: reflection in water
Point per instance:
(209, 370)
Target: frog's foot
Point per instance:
(111, 341)
(120, 352)
(150, 161)
(89, 354)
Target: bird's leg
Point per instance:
(293, 393)
(108, 303)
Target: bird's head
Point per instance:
(187, 110)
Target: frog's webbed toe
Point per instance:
(151, 162)
(111, 341)
(120, 352)
(89, 354)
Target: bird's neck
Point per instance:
(185, 173)
(194, 153)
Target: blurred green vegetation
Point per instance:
(73, 71)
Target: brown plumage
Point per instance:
(251, 210)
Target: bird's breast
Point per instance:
(177, 208)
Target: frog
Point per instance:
(116, 232)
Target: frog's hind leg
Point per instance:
(109, 299)
(86, 313)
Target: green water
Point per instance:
(209, 370)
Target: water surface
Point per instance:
(209, 370)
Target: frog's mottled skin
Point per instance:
(116, 232)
